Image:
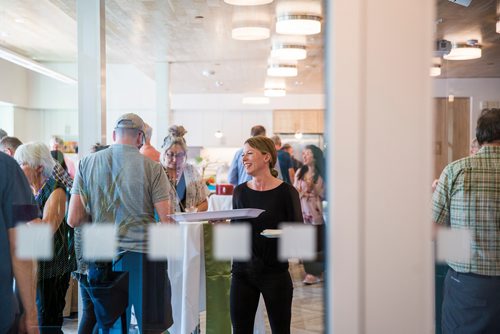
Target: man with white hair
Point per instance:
(119, 185)
(147, 149)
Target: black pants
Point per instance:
(471, 304)
(50, 303)
(317, 267)
(277, 290)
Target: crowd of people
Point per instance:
(132, 185)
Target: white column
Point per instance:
(91, 74)
(379, 134)
(163, 101)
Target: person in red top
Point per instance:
(147, 149)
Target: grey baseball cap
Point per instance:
(129, 121)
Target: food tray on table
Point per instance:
(216, 215)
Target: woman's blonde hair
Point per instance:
(265, 145)
(175, 137)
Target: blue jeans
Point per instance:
(88, 321)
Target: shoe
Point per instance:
(311, 279)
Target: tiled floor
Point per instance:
(307, 308)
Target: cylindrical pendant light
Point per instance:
(282, 70)
(289, 51)
(251, 24)
(298, 17)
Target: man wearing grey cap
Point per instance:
(119, 185)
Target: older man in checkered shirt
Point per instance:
(467, 197)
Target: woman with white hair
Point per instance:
(192, 193)
(51, 196)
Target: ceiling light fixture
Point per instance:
(274, 92)
(298, 135)
(250, 24)
(298, 17)
(33, 65)
(255, 100)
(289, 51)
(219, 134)
(282, 70)
(498, 26)
(464, 51)
(250, 33)
(298, 24)
(247, 2)
(435, 70)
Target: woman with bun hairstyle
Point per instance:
(192, 193)
(263, 273)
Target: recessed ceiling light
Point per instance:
(219, 83)
(19, 20)
(207, 73)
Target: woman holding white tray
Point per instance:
(263, 273)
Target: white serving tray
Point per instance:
(269, 233)
(216, 215)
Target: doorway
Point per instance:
(451, 131)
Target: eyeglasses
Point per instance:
(179, 155)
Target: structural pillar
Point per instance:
(163, 102)
(379, 134)
(91, 74)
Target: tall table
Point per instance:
(200, 282)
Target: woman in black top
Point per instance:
(264, 273)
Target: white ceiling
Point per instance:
(149, 31)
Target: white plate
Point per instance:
(217, 215)
(271, 233)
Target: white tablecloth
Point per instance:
(187, 279)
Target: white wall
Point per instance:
(13, 84)
(48, 94)
(235, 124)
(479, 89)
